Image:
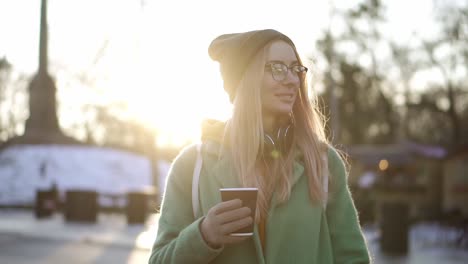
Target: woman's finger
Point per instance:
(234, 215)
(231, 227)
(227, 206)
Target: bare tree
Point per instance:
(13, 101)
(454, 35)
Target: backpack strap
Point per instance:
(325, 181)
(195, 180)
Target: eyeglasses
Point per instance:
(279, 70)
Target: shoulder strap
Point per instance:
(195, 180)
(325, 181)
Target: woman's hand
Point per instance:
(224, 219)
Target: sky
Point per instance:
(152, 54)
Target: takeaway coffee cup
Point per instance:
(248, 196)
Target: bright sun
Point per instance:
(177, 103)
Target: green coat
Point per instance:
(296, 232)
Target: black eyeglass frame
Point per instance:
(300, 70)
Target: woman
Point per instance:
(274, 141)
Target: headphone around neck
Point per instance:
(277, 144)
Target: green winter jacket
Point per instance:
(296, 232)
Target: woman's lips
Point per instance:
(285, 96)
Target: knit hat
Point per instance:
(235, 51)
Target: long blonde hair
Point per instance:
(246, 134)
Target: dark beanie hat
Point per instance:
(235, 51)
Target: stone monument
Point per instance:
(42, 126)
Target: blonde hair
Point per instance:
(246, 134)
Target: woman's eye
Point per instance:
(278, 68)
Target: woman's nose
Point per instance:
(291, 78)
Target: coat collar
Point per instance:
(298, 170)
(223, 168)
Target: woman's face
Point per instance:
(280, 84)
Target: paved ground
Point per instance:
(24, 239)
(15, 249)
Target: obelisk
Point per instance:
(42, 126)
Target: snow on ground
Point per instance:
(25, 169)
